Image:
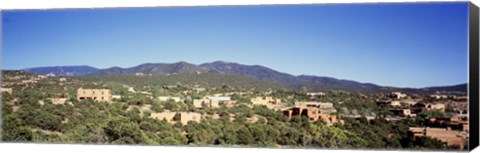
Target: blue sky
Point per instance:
(403, 45)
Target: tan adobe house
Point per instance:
(166, 98)
(397, 95)
(324, 107)
(454, 122)
(212, 102)
(94, 94)
(58, 100)
(184, 117)
(264, 100)
(420, 107)
(438, 96)
(439, 107)
(7, 90)
(164, 115)
(313, 111)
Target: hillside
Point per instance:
(151, 68)
(209, 80)
(311, 83)
(252, 72)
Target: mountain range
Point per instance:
(63, 70)
(301, 82)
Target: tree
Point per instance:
(14, 130)
(6, 109)
(123, 131)
(430, 113)
(428, 143)
(245, 137)
(229, 135)
(177, 117)
(87, 133)
(157, 107)
(303, 89)
(258, 132)
(170, 105)
(449, 109)
(333, 137)
(240, 119)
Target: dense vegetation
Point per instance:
(114, 123)
(29, 116)
(207, 80)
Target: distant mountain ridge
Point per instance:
(62, 70)
(301, 82)
(152, 68)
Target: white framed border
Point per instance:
(65, 4)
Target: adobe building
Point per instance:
(416, 132)
(57, 100)
(455, 122)
(166, 98)
(212, 102)
(459, 98)
(324, 107)
(445, 120)
(264, 100)
(384, 103)
(451, 138)
(164, 115)
(312, 113)
(94, 94)
(397, 95)
(408, 102)
(420, 107)
(437, 96)
(230, 103)
(184, 117)
(395, 103)
(314, 104)
(329, 119)
(438, 106)
(7, 90)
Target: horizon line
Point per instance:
(223, 61)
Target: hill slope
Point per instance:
(209, 80)
(264, 74)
